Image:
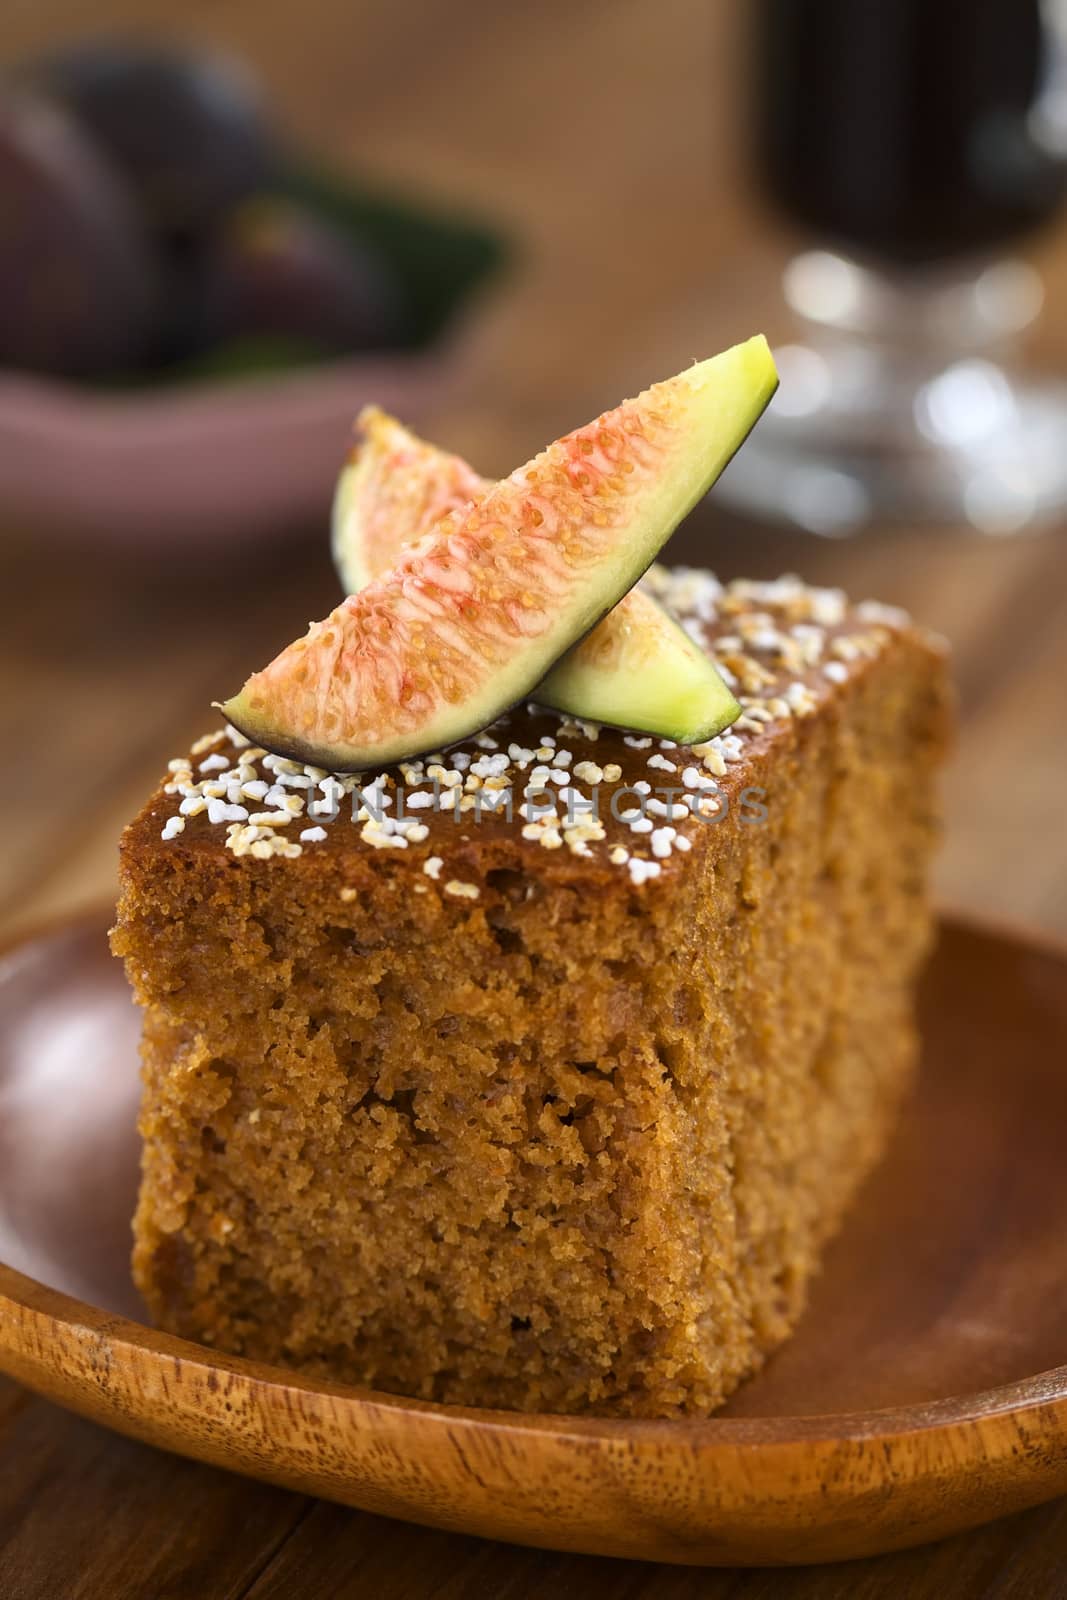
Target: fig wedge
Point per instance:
(474, 615)
(637, 668)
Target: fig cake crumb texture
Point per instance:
(536, 1074)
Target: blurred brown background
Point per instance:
(606, 136)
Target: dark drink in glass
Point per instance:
(913, 141)
(909, 132)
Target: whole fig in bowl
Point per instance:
(276, 271)
(188, 132)
(79, 287)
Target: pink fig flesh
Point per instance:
(474, 615)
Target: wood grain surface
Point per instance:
(86, 1514)
(606, 135)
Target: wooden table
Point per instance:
(606, 137)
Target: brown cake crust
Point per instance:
(538, 1128)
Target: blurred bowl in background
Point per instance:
(191, 314)
(191, 465)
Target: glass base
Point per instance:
(900, 402)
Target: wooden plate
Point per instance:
(925, 1391)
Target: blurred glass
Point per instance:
(914, 140)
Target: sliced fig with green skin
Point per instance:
(637, 668)
(473, 616)
(393, 490)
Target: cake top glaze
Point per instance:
(559, 785)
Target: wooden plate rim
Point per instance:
(78, 1320)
